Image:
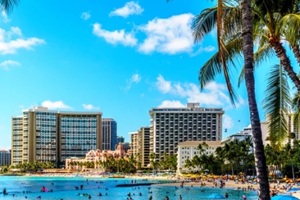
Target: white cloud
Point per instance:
(209, 48)
(85, 15)
(90, 107)
(52, 105)
(240, 102)
(15, 31)
(172, 35)
(115, 37)
(12, 40)
(7, 64)
(4, 16)
(130, 8)
(227, 122)
(206, 49)
(135, 78)
(163, 85)
(171, 104)
(214, 94)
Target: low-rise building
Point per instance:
(187, 150)
(247, 133)
(93, 158)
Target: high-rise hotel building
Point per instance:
(169, 126)
(109, 134)
(41, 135)
(5, 158)
(140, 146)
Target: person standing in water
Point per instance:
(226, 195)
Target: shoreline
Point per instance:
(174, 181)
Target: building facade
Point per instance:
(247, 133)
(126, 146)
(140, 146)
(187, 150)
(109, 134)
(94, 156)
(170, 126)
(5, 158)
(135, 145)
(145, 144)
(42, 135)
(120, 139)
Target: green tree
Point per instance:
(196, 161)
(273, 158)
(169, 162)
(188, 164)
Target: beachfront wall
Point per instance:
(187, 150)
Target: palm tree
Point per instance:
(245, 155)
(216, 66)
(274, 158)
(230, 153)
(269, 25)
(220, 154)
(188, 164)
(196, 162)
(277, 22)
(260, 160)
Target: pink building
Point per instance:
(93, 158)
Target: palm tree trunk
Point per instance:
(284, 60)
(260, 160)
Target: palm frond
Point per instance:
(232, 22)
(289, 26)
(296, 107)
(204, 23)
(214, 66)
(277, 104)
(263, 53)
(7, 5)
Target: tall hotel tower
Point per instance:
(41, 135)
(140, 143)
(169, 126)
(109, 134)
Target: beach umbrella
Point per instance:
(215, 196)
(284, 197)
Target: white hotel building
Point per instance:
(187, 150)
(170, 126)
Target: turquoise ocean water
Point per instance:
(22, 187)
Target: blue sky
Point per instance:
(121, 58)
